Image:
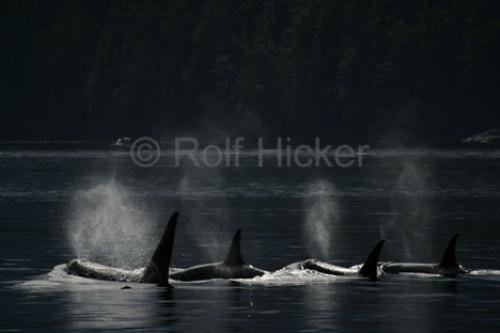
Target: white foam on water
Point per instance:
(485, 272)
(59, 280)
(285, 276)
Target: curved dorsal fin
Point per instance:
(449, 257)
(157, 269)
(369, 268)
(234, 256)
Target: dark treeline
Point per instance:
(353, 69)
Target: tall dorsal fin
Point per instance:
(369, 268)
(157, 269)
(449, 257)
(234, 256)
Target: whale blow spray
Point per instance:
(105, 225)
(321, 218)
(411, 211)
(206, 211)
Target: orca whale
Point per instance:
(447, 267)
(156, 270)
(233, 267)
(368, 269)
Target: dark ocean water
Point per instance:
(55, 206)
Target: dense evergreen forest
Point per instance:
(343, 69)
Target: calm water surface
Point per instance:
(55, 206)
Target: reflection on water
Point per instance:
(301, 300)
(317, 303)
(268, 203)
(109, 309)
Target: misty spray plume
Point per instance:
(410, 220)
(202, 189)
(206, 211)
(321, 218)
(107, 226)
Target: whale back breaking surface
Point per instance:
(233, 267)
(368, 269)
(322, 267)
(447, 267)
(216, 271)
(409, 267)
(93, 270)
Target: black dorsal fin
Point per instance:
(157, 269)
(369, 268)
(234, 256)
(449, 258)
